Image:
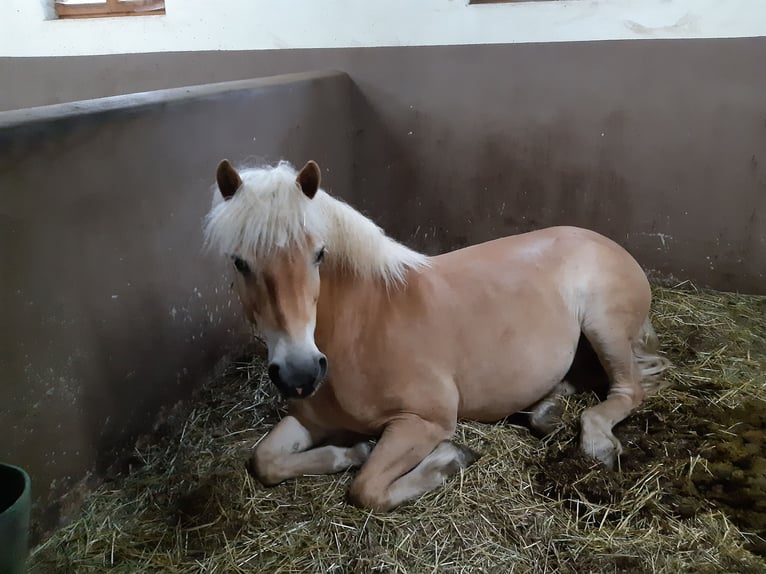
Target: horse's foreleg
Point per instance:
(289, 450)
(411, 458)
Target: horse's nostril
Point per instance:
(323, 363)
(274, 372)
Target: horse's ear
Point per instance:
(228, 179)
(309, 179)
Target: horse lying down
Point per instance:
(368, 339)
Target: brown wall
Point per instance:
(660, 144)
(109, 308)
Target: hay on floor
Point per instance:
(527, 505)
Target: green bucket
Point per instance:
(15, 501)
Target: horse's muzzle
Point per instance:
(298, 379)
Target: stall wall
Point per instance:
(661, 145)
(110, 307)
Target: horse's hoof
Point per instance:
(250, 466)
(599, 443)
(467, 455)
(547, 420)
(360, 452)
(606, 452)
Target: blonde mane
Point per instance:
(269, 212)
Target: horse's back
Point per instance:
(572, 260)
(553, 241)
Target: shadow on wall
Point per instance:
(418, 182)
(385, 181)
(537, 188)
(128, 376)
(122, 393)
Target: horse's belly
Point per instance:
(500, 398)
(517, 374)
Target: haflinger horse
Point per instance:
(370, 341)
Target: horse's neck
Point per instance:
(346, 304)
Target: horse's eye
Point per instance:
(241, 265)
(320, 255)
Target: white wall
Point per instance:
(267, 24)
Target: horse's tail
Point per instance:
(649, 362)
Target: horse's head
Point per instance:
(266, 223)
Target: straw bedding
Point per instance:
(689, 496)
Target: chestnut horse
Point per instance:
(370, 340)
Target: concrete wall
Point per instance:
(109, 308)
(660, 144)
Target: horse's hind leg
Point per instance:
(614, 348)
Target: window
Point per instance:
(101, 8)
(505, 1)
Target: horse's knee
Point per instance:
(263, 467)
(358, 454)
